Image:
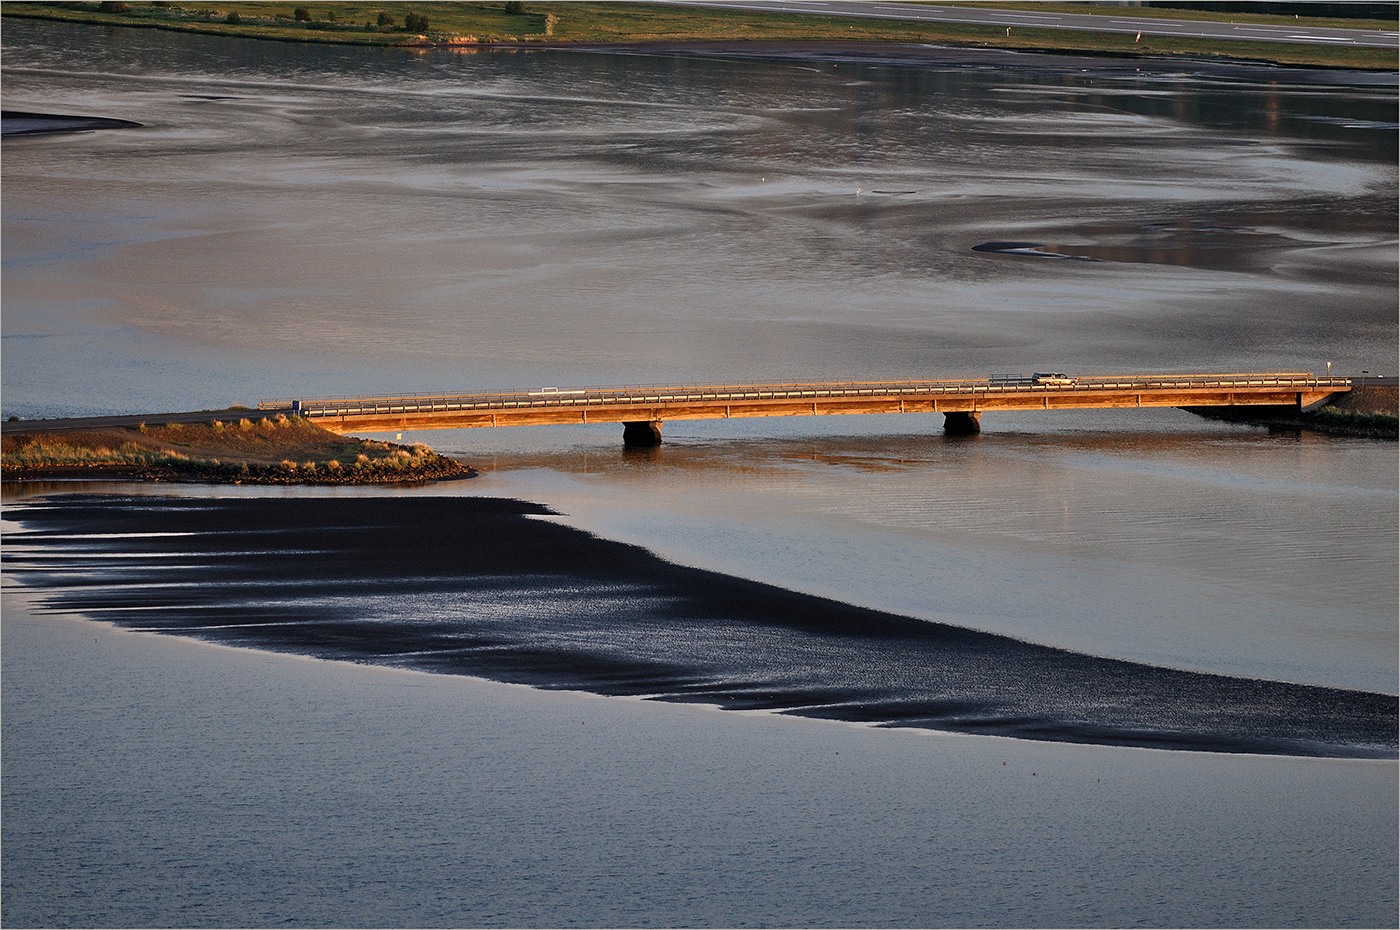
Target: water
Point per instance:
(304, 220)
(311, 220)
(252, 789)
(1160, 539)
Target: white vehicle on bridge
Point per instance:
(1054, 377)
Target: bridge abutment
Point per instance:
(1310, 401)
(641, 434)
(962, 423)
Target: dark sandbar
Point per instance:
(17, 123)
(474, 586)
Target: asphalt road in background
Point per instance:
(1081, 22)
(74, 424)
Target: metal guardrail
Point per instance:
(654, 394)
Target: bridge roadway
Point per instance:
(642, 409)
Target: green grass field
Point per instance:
(625, 23)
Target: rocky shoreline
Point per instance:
(443, 469)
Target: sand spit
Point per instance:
(265, 450)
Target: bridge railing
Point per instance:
(622, 395)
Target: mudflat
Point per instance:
(482, 587)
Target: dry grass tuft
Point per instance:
(46, 452)
(214, 451)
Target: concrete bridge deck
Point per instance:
(642, 409)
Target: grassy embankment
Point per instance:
(284, 450)
(1325, 420)
(1332, 420)
(555, 24)
(1366, 410)
(1369, 410)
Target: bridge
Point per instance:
(643, 408)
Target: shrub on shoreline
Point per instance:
(308, 455)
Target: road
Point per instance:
(1080, 22)
(962, 401)
(78, 424)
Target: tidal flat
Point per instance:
(471, 586)
(324, 220)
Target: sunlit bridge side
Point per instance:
(643, 408)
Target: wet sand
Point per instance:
(482, 587)
(18, 123)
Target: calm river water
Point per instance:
(315, 220)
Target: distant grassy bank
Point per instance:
(280, 450)
(563, 24)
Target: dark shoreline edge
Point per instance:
(474, 586)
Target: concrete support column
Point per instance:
(641, 434)
(962, 423)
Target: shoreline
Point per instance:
(278, 450)
(1381, 427)
(914, 53)
(765, 32)
(1368, 411)
(15, 478)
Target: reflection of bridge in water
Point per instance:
(642, 409)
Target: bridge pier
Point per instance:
(962, 423)
(641, 434)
